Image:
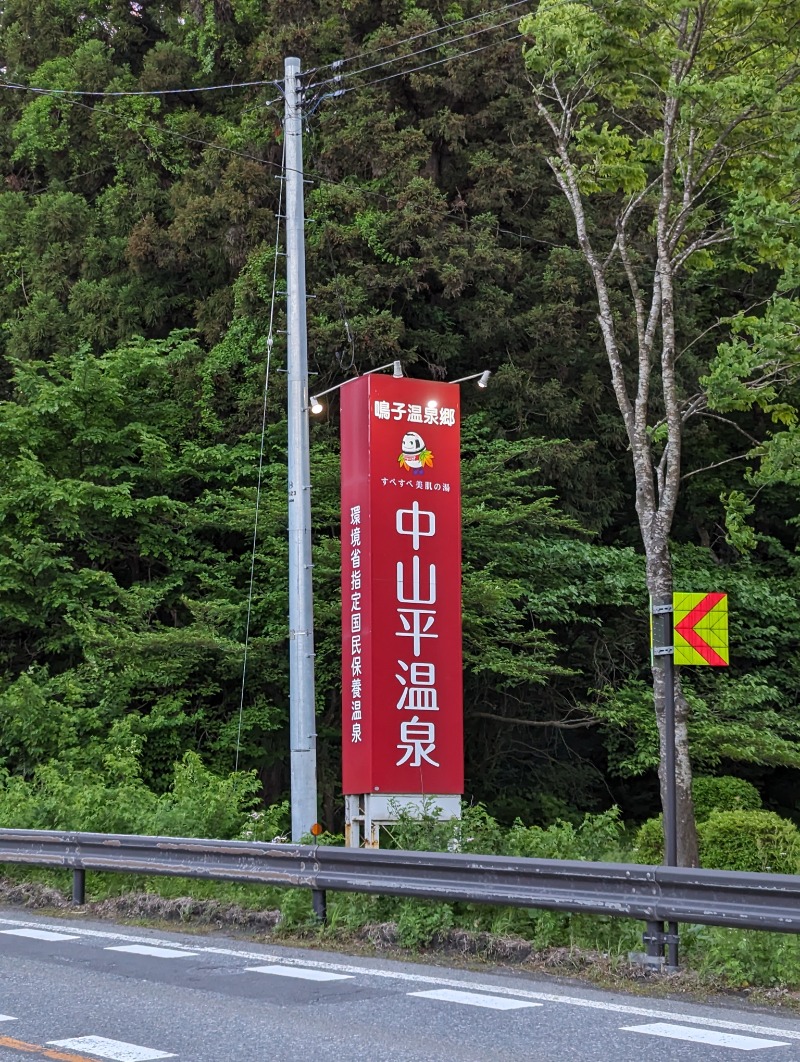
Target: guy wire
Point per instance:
(259, 478)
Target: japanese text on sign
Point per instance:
(356, 732)
(417, 587)
(413, 414)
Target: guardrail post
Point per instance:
(319, 899)
(655, 940)
(78, 886)
(653, 955)
(672, 945)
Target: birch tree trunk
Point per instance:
(679, 121)
(657, 478)
(657, 482)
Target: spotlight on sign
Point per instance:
(481, 377)
(315, 405)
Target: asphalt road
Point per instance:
(78, 991)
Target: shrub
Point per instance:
(475, 831)
(725, 793)
(273, 823)
(750, 841)
(203, 804)
(111, 799)
(419, 922)
(596, 838)
(742, 956)
(648, 845)
(710, 795)
(114, 799)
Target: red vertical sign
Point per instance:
(402, 726)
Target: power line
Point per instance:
(436, 62)
(421, 51)
(223, 149)
(143, 92)
(335, 65)
(60, 95)
(260, 476)
(16, 86)
(388, 200)
(156, 128)
(338, 63)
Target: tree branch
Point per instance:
(731, 424)
(558, 724)
(707, 468)
(567, 179)
(723, 236)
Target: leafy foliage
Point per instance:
(137, 239)
(758, 841)
(724, 794)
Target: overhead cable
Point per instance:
(260, 474)
(427, 66)
(337, 79)
(223, 149)
(157, 128)
(142, 92)
(447, 27)
(16, 86)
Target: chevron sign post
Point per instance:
(684, 629)
(701, 629)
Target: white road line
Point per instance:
(424, 979)
(476, 999)
(299, 971)
(117, 1050)
(6, 1017)
(38, 934)
(146, 949)
(705, 1036)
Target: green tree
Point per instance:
(436, 234)
(124, 533)
(679, 119)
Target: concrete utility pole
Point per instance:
(302, 717)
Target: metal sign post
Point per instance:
(684, 629)
(664, 657)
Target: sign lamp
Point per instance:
(316, 407)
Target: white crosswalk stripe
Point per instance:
(158, 953)
(704, 1036)
(476, 999)
(116, 1050)
(702, 1030)
(304, 973)
(625, 1009)
(38, 934)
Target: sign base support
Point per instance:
(366, 814)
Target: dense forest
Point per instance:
(485, 189)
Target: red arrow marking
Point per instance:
(686, 629)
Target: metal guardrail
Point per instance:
(653, 894)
